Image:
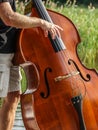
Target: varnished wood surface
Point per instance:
(56, 112)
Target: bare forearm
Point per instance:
(11, 18)
(22, 21)
(14, 19)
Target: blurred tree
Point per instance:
(84, 2)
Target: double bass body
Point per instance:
(55, 96)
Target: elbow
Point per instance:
(9, 20)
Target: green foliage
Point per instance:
(20, 6)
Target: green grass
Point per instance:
(86, 21)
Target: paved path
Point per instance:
(18, 123)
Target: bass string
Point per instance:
(42, 10)
(63, 56)
(77, 83)
(46, 16)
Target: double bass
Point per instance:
(61, 94)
